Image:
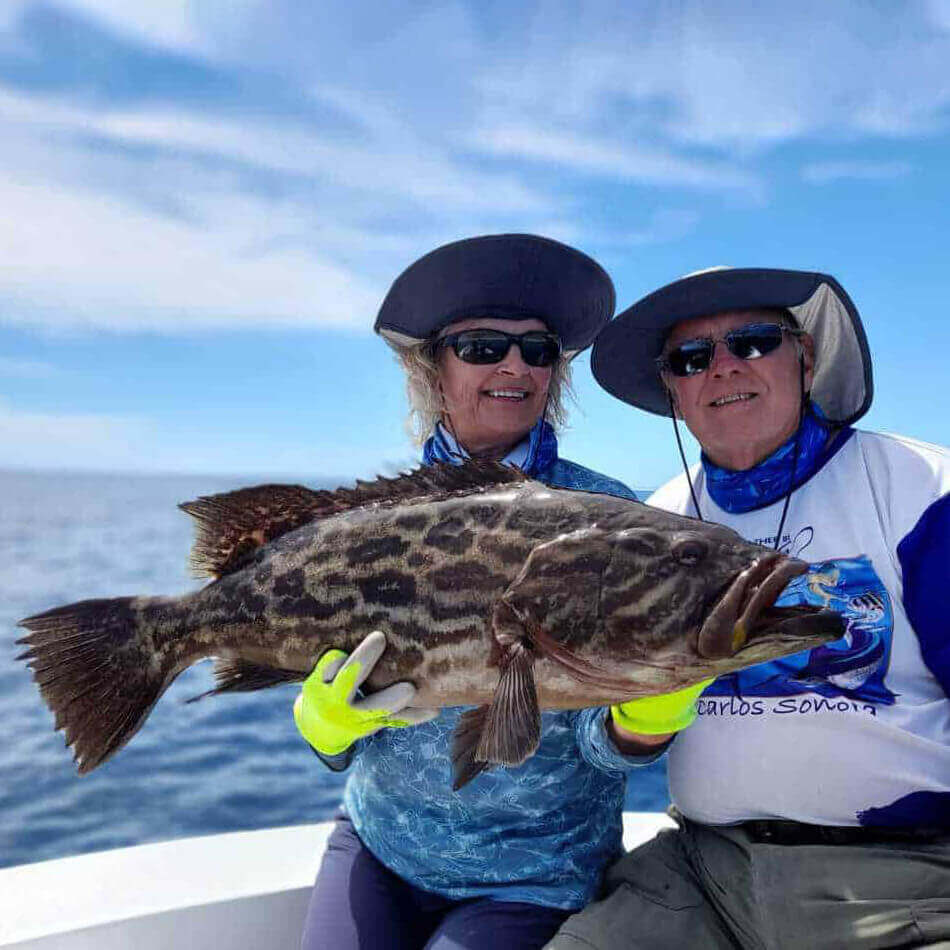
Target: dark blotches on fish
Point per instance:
(337, 580)
(253, 604)
(412, 522)
(451, 535)
(375, 549)
(467, 575)
(263, 574)
(390, 588)
(440, 610)
(290, 584)
(486, 516)
(532, 524)
(507, 553)
(313, 609)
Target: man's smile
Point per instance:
(731, 398)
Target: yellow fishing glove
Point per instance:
(331, 717)
(658, 715)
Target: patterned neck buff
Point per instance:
(768, 481)
(532, 455)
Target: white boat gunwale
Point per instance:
(240, 889)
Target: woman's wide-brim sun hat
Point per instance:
(624, 356)
(505, 276)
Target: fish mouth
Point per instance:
(746, 619)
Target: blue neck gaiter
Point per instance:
(532, 455)
(768, 481)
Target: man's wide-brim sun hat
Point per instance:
(506, 276)
(624, 355)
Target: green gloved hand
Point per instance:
(327, 712)
(658, 715)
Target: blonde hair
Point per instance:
(425, 396)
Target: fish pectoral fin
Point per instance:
(513, 724)
(242, 676)
(512, 727)
(506, 731)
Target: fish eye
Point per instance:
(689, 551)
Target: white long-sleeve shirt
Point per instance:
(857, 732)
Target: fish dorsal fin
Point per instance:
(232, 525)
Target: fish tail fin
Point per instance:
(95, 673)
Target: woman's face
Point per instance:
(492, 407)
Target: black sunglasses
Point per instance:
(750, 342)
(538, 348)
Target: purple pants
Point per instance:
(359, 904)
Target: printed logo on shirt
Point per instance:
(853, 667)
(792, 545)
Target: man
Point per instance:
(812, 793)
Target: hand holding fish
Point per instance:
(331, 717)
(657, 715)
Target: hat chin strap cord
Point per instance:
(802, 402)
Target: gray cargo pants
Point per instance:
(702, 887)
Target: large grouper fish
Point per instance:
(494, 591)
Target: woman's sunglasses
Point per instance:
(538, 348)
(750, 342)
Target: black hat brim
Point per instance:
(624, 355)
(508, 276)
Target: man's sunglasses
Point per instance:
(750, 342)
(538, 348)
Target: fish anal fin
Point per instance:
(242, 676)
(232, 525)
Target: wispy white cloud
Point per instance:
(175, 211)
(734, 77)
(611, 158)
(823, 173)
(83, 260)
(13, 368)
(172, 23)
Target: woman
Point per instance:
(485, 329)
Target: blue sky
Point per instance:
(204, 202)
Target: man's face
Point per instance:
(739, 410)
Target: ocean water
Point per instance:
(224, 764)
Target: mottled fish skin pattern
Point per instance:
(429, 575)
